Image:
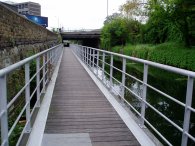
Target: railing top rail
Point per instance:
(86, 54)
(14, 66)
(150, 63)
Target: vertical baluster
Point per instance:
(50, 54)
(111, 71)
(187, 114)
(103, 66)
(123, 78)
(97, 64)
(3, 109)
(54, 56)
(38, 80)
(93, 58)
(48, 66)
(144, 94)
(27, 97)
(90, 58)
(87, 55)
(44, 65)
(83, 53)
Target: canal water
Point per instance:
(170, 83)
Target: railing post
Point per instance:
(27, 97)
(144, 94)
(187, 114)
(83, 54)
(111, 71)
(44, 73)
(90, 57)
(87, 56)
(80, 52)
(48, 66)
(38, 80)
(123, 78)
(50, 57)
(54, 56)
(93, 58)
(97, 64)
(103, 66)
(3, 109)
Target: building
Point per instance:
(30, 8)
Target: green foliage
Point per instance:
(174, 54)
(170, 20)
(170, 31)
(114, 33)
(119, 31)
(112, 17)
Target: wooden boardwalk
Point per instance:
(78, 106)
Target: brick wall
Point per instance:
(18, 36)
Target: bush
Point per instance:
(119, 31)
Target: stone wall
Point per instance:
(20, 37)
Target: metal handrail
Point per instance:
(49, 58)
(150, 63)
(12, 67)
(89, 54)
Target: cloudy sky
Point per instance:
(76, 14)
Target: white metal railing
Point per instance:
(45, 61)
(88, 55)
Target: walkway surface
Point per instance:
(80, 114)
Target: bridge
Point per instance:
(83, 34)
(76, 102)
(88, 37)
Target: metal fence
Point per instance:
(93, 57)
(45, 63)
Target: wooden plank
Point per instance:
(116, 143)
(78, 106)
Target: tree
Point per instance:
(183, 13)
(112, 17)
(114, 33)
(174, 17)
(120, 31)
(134, 9)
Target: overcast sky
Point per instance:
(76, 14)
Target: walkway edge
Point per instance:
(140, 135)
(36, 136)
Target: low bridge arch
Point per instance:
(88, 37)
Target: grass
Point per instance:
(173, 54)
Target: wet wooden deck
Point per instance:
(78, 106)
